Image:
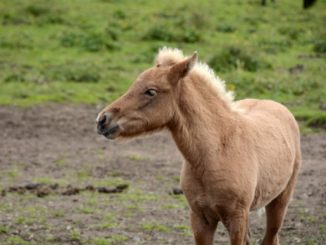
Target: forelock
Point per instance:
(168, 56)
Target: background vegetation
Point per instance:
(89, 51)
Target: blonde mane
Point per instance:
(169, 56)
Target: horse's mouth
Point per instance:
(111, 133)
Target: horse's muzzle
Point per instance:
(106, 127)
(110, 133)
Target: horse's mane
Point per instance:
(170, 56)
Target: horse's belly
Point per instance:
(272, 181)
(275, 160)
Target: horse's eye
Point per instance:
(151, 92)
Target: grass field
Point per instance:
(90, 51)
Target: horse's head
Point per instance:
(149, 103)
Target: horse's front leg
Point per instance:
(236, 223)
(203, 230)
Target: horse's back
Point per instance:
(275, 114)
(270, 119)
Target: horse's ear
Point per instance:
(181, 69)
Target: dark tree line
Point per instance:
(306, 3)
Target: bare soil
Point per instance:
(55, 148)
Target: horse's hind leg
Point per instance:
(275, 211)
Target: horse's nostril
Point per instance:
(103, 122)
(102, 119)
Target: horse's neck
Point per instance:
(202, 124)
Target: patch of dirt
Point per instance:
(54, 149)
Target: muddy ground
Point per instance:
(53, 166)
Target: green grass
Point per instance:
(155, 227)
(137, 157)
(16, 240)
(4, 229)
(186, 230)
(75, 235)
(90, 51)
(113, 239)
(111, 181)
